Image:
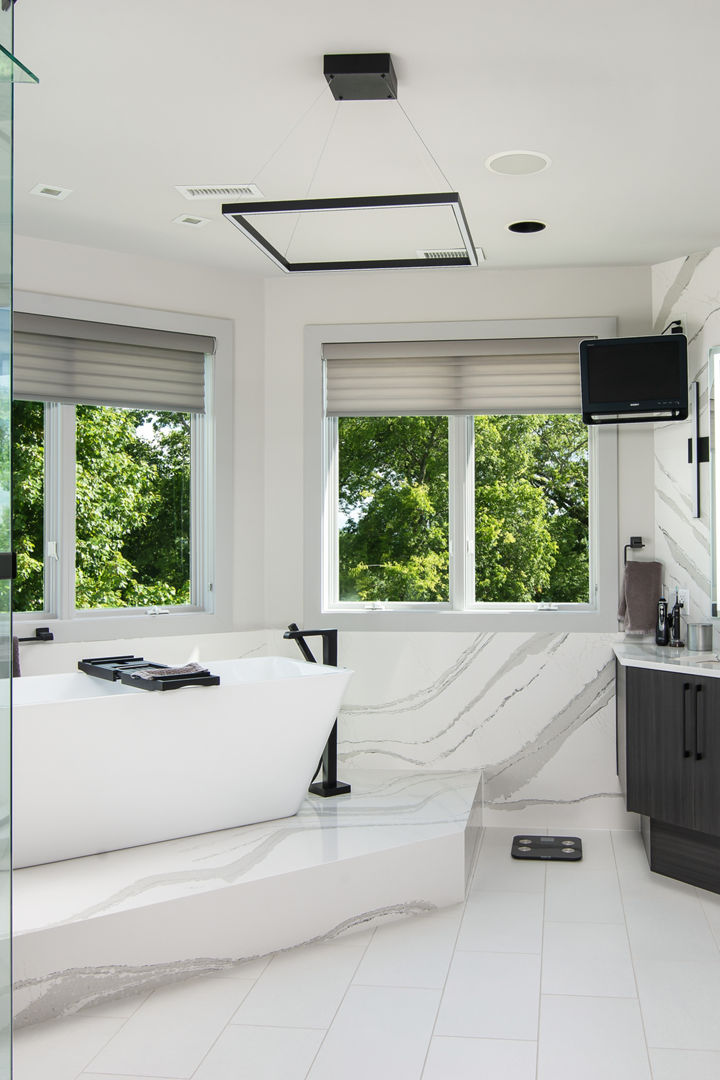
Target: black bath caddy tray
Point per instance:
(562, 848)
(123, 669)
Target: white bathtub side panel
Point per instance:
(93, 776)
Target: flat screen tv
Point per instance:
(634, 380)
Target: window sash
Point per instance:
(461, 480)
(60, 521)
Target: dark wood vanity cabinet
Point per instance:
(673, 751)
(669, 767)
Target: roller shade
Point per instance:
(88, 363)
(409, 378)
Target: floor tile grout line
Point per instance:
(340, 1003)
(453, 952)
(713, 935)
(219, 1034)
(125, 1020)
(540, 993)
(632, 956)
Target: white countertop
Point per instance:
(665, 658)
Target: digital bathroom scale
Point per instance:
(562, 848)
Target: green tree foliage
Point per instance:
(394, 497)
(28, 457)
(132, 507)
(531, 509)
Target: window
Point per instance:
(113, 440)
(459, 480)
(527, 496)
(132, 505)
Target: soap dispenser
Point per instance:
(662, 627)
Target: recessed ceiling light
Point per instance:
(527, 226)
(220, 191)
(518, 162)
(51, 191)
(189, 219)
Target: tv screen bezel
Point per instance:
(625, 410)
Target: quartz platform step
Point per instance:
(107, 926)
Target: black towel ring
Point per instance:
(635, 542)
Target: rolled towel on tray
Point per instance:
(163, 672)
(639, 594)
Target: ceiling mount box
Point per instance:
(360, 76)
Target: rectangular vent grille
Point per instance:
(448, 253)
(220, 191)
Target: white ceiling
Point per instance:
(137, 96)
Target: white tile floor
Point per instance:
(579, 971)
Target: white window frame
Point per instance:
(211, 471)
(320, 502)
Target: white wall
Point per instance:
(422, 296)
(88, 273)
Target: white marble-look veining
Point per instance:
(688, 289)
(664, 658)
(534, 711)
(108, 925)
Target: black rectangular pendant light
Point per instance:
(460, 253)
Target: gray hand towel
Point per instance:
(639, 594)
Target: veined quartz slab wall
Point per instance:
(536, 712)
(689, 289)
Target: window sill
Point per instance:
(561, 620)
(109, 624)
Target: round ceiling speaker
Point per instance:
(518, 162)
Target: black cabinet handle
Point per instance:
(686, 692)
(699, 723)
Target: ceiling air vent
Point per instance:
(220, 191)
(51, 191)
(448, 253)
(189, 219)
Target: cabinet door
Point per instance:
(660, 745)
(706, 755)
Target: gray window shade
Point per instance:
(406, 378)
(88, 363)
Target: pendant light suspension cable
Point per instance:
(315, 172)
(427, 148)
(290, 133)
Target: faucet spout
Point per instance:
(329, 643)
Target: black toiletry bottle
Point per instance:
(675, 625)
(662, 629)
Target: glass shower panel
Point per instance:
(10, 71)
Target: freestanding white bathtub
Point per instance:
(99, 766)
